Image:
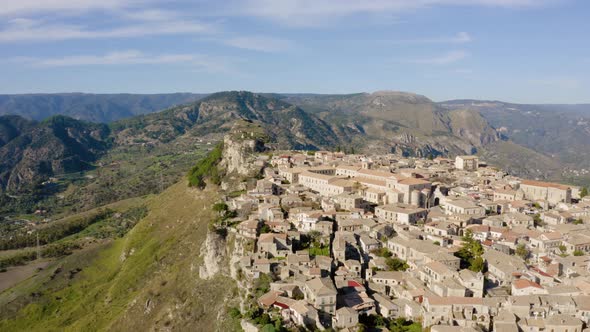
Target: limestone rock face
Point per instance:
(238, 156)
(240, 147)
(213, 252)
(247, 326)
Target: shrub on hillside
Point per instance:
(206, 168)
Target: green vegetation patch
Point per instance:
(53, 231)
(471, 253)
(206, 168)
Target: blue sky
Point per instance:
(530, 51)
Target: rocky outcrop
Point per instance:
(240, 146)
(213, 252)
(56, 146)
(471, 127)
(247, 326)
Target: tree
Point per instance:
(314, 236)
(268, 328)
(235, 312)
(382, 252)
(279, 325)
(379, 321)
(220, 207)
(206, 167)
(262, 284)
(471, 253)
(578, 222)
(562, 248)
(403, 325)
(584, 192)
(477, 264)
(396, 264)
(263, 320)
(467, 236)
(578, 252)
(537, 220)
(265, 229)
(522, 251)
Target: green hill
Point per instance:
(144, 280)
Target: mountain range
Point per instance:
(90, 107)
(558, 131)
(537, 141)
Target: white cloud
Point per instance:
(459, 38)
(26, 7)
(153, 15)
(314, 12)
(19, 30)
(265, 8)
(443, 59)
(260, 43)
(130, 57)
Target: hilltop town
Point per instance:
(352, 242)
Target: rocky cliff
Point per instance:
(240, 146)
(55, 146)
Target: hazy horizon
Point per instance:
(289, 93)
(522, 51)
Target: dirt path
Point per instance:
(16, 274)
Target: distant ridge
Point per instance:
(387, 121)
(90, 107)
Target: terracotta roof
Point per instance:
(364, 180)
(552, 235)
(478, 228)
(506, 191)
(439, 267)
(352, 283)
(321, 286)
(539, 271)
(544, 184)
(413, 181)
(341, 182)
(525, 283)
(269, 298)
(450, 300)
(269, 237)
(372, 172)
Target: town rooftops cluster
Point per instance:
(452, 245)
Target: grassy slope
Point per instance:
(147, 279)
